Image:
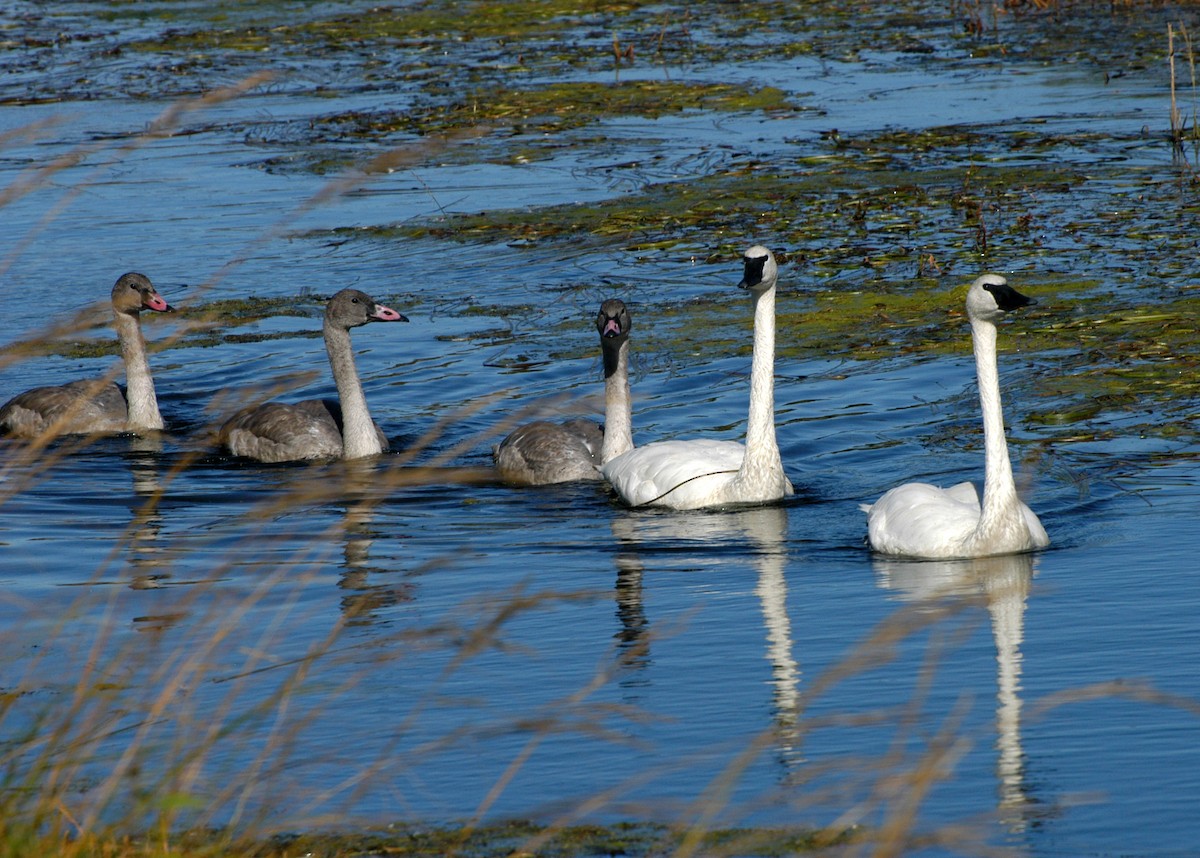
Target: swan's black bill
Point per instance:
(753, 273)
(1008, 298)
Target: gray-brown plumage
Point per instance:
(97, 405)
(318, 428)
(543, 452)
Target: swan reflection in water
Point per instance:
(147, 559)
(764, 528)
(1004, 582)
(351, 492)
(362, 600)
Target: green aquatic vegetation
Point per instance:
(1137, 361)
(515, 838)
(217, 338)
(499, 839)
(427, 23)
(204, 325)
(508, 125)
(881, 233)
(838, 216)
(551, 108)
(440, 45)
(1088, 358)
(213, 322)
(252, 308)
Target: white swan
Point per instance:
(695, 474)
(921, 520)
(541, 453)
(96, 405)
(318, 428)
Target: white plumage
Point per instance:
(696, 474)
(923, 521)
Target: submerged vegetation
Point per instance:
(877, 227)
(502, 840)
(552, 108)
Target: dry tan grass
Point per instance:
(1185, 130)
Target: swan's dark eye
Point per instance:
(353, 300)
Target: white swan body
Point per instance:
(696, 474)
(97, 405)
(543, 453)
(923, 521)
(318, 428)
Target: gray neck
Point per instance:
(618, 408)
(762, 461)
(141, 401)
(999, 490)
(358, 430)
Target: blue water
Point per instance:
(502, 652)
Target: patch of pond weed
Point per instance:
(201, 325)
(878, 228)
(517, 838)
(866, 205)
(879, 222)
(154, 49)
(518, 125)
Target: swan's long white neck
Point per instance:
(762, 464)
(618, 407)
(999, 489)
(358, 430)
(141, 401)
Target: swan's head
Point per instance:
(760, 269)
(351, 308)
(990, 297)
(134, 292)
(613, 324)
(613, 320)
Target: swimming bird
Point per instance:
(98, 405)
(924, 521)
(542, 452)
(694, 474)
(318, 428)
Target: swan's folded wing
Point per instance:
(683, 469)
(1037, 533)
(589, 432)
(964, 492)
(279, 432)
(331, 410)
(542, 453)
(322, 410)
(84, 406)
